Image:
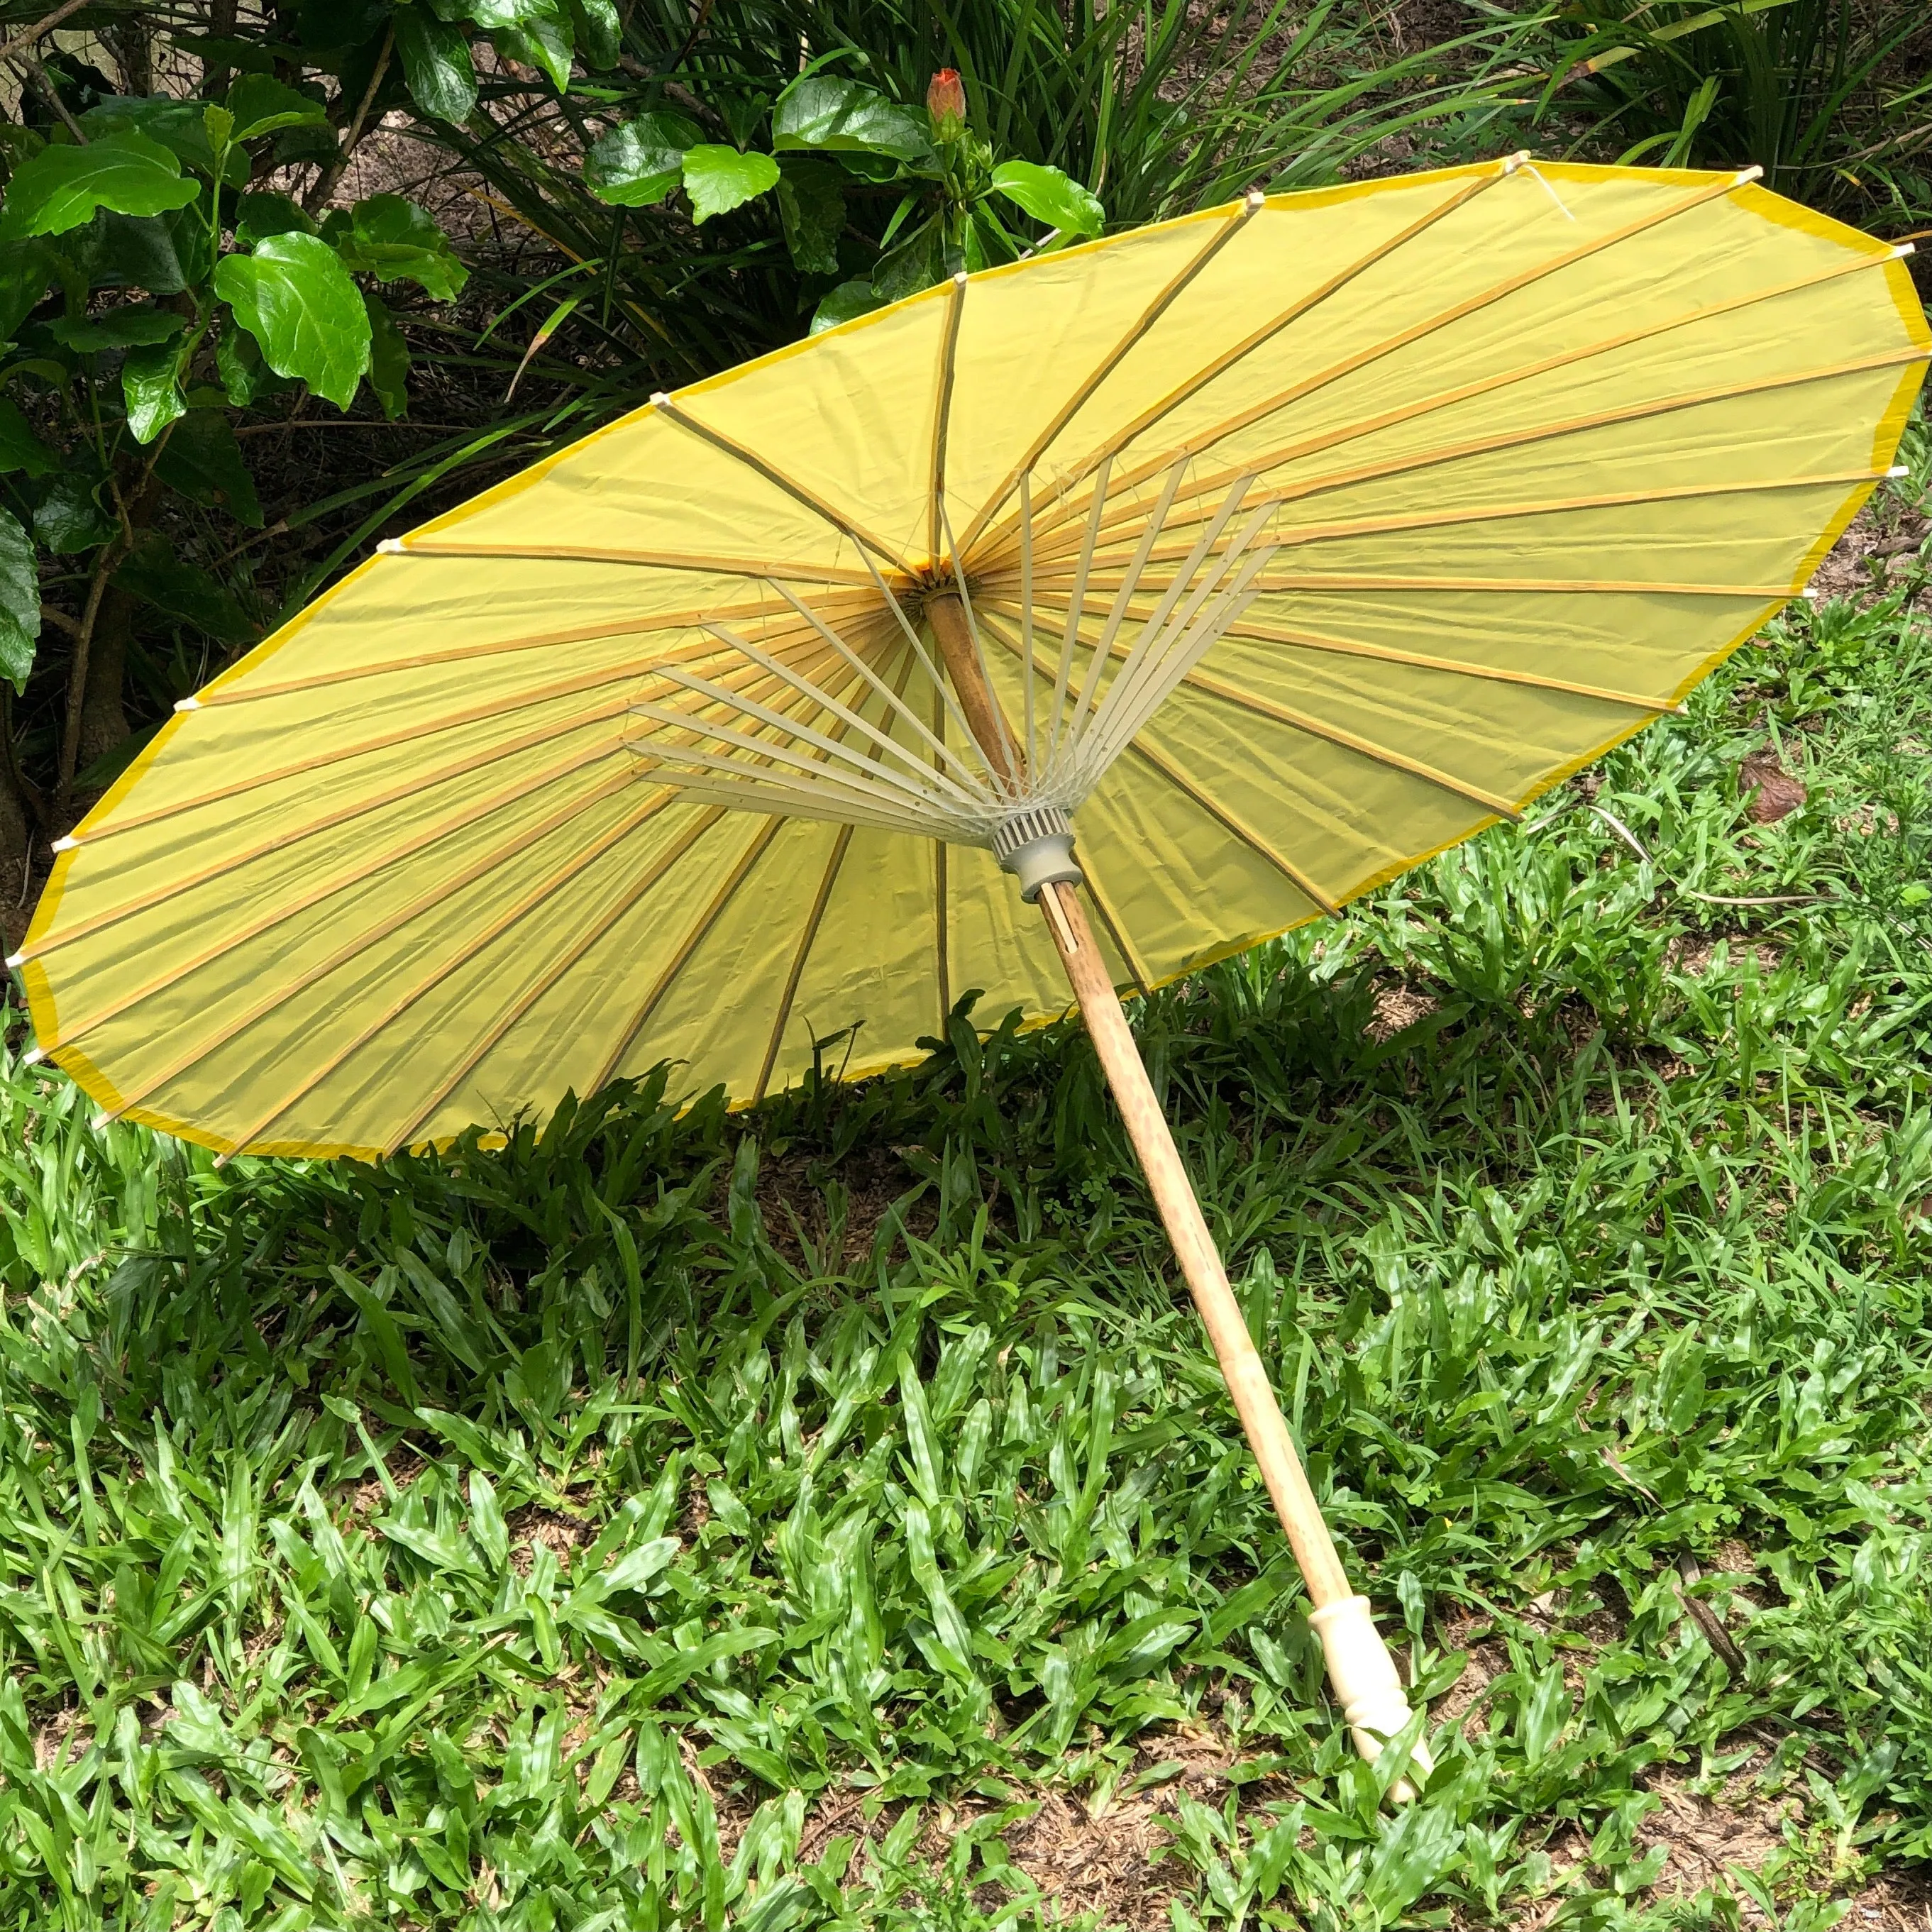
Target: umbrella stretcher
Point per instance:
(1276, 548)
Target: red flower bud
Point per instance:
(946, 102)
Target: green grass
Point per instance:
(470, 1542)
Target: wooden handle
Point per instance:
(1364, 1676)
(1194, 1248)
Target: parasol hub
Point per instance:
(1035, 845)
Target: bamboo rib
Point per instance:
(235, 861)
(780, 480)
(1130, 956)
(608, 918)
(1522, 439)
(1443, 318)
(1235, 222)
(472, 946)
(793, 572)
(941, 908)
(1292, 539)
(812, 925)
(1231, 822)
(815, 919)
(226, 794)
(942, 417)
(523, 838)
(1453, 667)
(760, 843)
(1410, 411)
(219, 696)
(1387, 654)
(284, 910)
(1349, 741)
(1123, 439)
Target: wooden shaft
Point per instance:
(1160, 1160)
(947, 617)
(1194, 1248)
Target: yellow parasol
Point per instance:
(1274, 549)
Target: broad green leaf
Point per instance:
(388, 358)
(437, 64)
(718, 178)
(916, 263)
(825, 111)
(395, 240)
(69, 518)
(184, 591)
(61, 187)
(244, 375)
(547, 45)
(203, 459)
(1052, 197)
(1415, 1851)
(151, 387)
(638, 163)
(133, 324)
(179, 126)
(162, 253)
(19, 601)
(298, 302)
(599, 32)
(26, 267)
(22, 452)
(811, 205)
(264, 213)
(848, 299)
(261, 105)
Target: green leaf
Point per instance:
(395, 240)
(153, 574)
(1052, 197)
(812, 206)
(718, 178)
(22, 452)
(847, 300)
(824, 111)
(203, 461)
(19, 601)
(244, 375)
(638, 163)
(61, 187)
(26, 267)
(296, 299)
(69, 518)
(544, 44)
(179, 126)
(261, 105)
(916, 263)
(151, 387)
(437, 64)
(599, 33)
(127, 251)
(264, 213)
(388, 358)
(135, 324)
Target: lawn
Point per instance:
(833, 1517)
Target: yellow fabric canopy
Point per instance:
(1301, 538)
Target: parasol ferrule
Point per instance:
(1036, 845)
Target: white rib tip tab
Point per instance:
(64, 844)
(1752, 173)
(959, 278)
(14, 959)
(101, 1120)
(390, 547)
(187, 704)
(32, 1056)
(1520, 159)
(1904, 249)
(659, 398)
(1899, 469)
(1253, 199)
(1809, 595)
